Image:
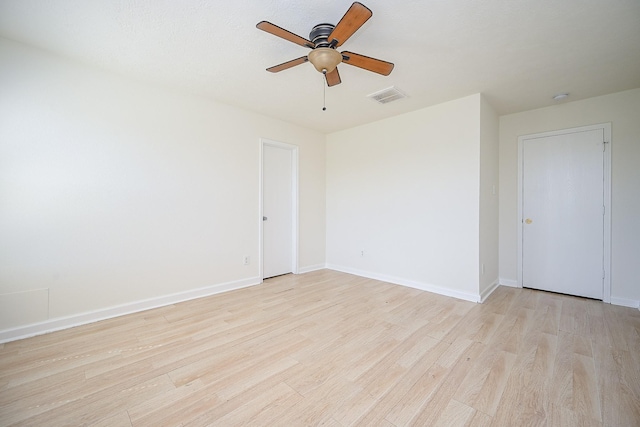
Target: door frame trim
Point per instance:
(606, 129)
(294, 203)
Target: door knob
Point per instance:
(264, 218)
(528, 220)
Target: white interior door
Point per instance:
(563, 213)
(277, 204)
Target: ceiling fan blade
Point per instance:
(367, 63)
(288, 64)
(333, 78)
(355, 17)
(287, 35)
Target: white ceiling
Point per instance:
(519, 53)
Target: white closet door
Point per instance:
(563, 216)
(277, 211)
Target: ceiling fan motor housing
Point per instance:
(320, 34)
(324, 57)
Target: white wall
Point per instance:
(405, 190)
(488, 198)
(623, 111)
(113, 191)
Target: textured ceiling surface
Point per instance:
(519, 53)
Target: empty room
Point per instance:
(300, 213)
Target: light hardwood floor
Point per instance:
(331, 349)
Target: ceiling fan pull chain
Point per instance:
(324, 89)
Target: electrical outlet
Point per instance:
(246, 260)
(362, 252)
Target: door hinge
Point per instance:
(603, 274)
(604, 210)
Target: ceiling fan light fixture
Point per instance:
(325, 59)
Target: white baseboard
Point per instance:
(508, 282)
(310, 268)
(409, 283)
(615, 301)
(110, 312)
(625, 302)
(485, 294)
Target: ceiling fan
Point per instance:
(324, 39)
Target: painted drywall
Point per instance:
(623, 111)
(488, 198)
(114, 191)
(402, 198)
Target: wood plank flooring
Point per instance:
(331, 349)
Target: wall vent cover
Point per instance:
(387, 95)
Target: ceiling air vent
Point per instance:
(387, 95)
